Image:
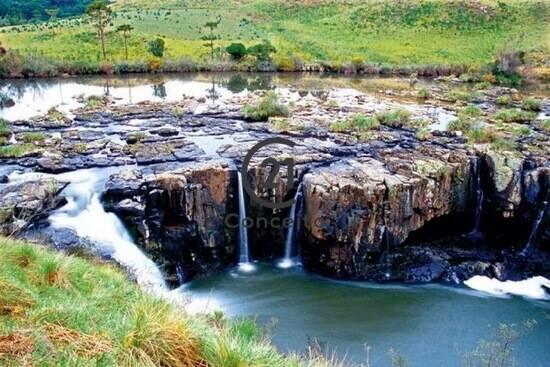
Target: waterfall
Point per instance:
(388, 259)
(244, 257)
(288, 261)
(480, 195)
(534, 230)
(85, 214)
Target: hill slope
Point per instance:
(396, 33)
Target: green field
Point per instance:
(383, 32)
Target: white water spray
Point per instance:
(85, 214)
(244, 257)
(534, 230)
(536, 287)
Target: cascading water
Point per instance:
(290, 251)
(480, 196)
(85, 214)
(534, 230)
(386, 239)
(244, 257)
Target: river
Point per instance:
(430, 325)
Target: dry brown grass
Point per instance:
(16, 344)
(83, 344)
(13, 300)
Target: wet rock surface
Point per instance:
(369, 197)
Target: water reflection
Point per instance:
(23, 99)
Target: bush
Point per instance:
(515, 115)
(480, 135)
(394, 118)
(16, 150)
(423, 93)
(262, 51)
(236, 50)
(461, 124)
(504, 100)
(157, 47)
(267, 107)
(423, 134)
(470, 111)
(531, 104)
(33, 137)
(456, 95)
(5, 129)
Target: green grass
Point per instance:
(33, 137)
(531, 104)
(394, 118)
(515, 115)
(16, 150)
(404, 33)
(63, 310)
(358, 123)
(268, 106)
(5, 129)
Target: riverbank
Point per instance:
(59, 309)
(427, 38)
(397, 182)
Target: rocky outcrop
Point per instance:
(23, 204)
(357, 209)
(178, 216)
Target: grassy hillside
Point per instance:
(394, 33)
(57, 310)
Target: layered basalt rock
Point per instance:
(380, 218)
(356, 209)
(23, 204)
(178, 216)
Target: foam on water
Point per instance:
(85, 214)
(535, 288)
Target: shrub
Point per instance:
(156, 47)
(285, 64)
(515, 115)
(394, 118)
(423, 93)
(5, 130)
(470, 111)
(480, 135)
(55, 114)
(281, 124)
(504, 100)
(461, 124)
(423, 134)
(236, 50)
(531, 104)
(460, 95)
(340, 126)
(16, 150)
(262, 51)
(33, 137)
(361, 122)
(267, 107)
(94, 102)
